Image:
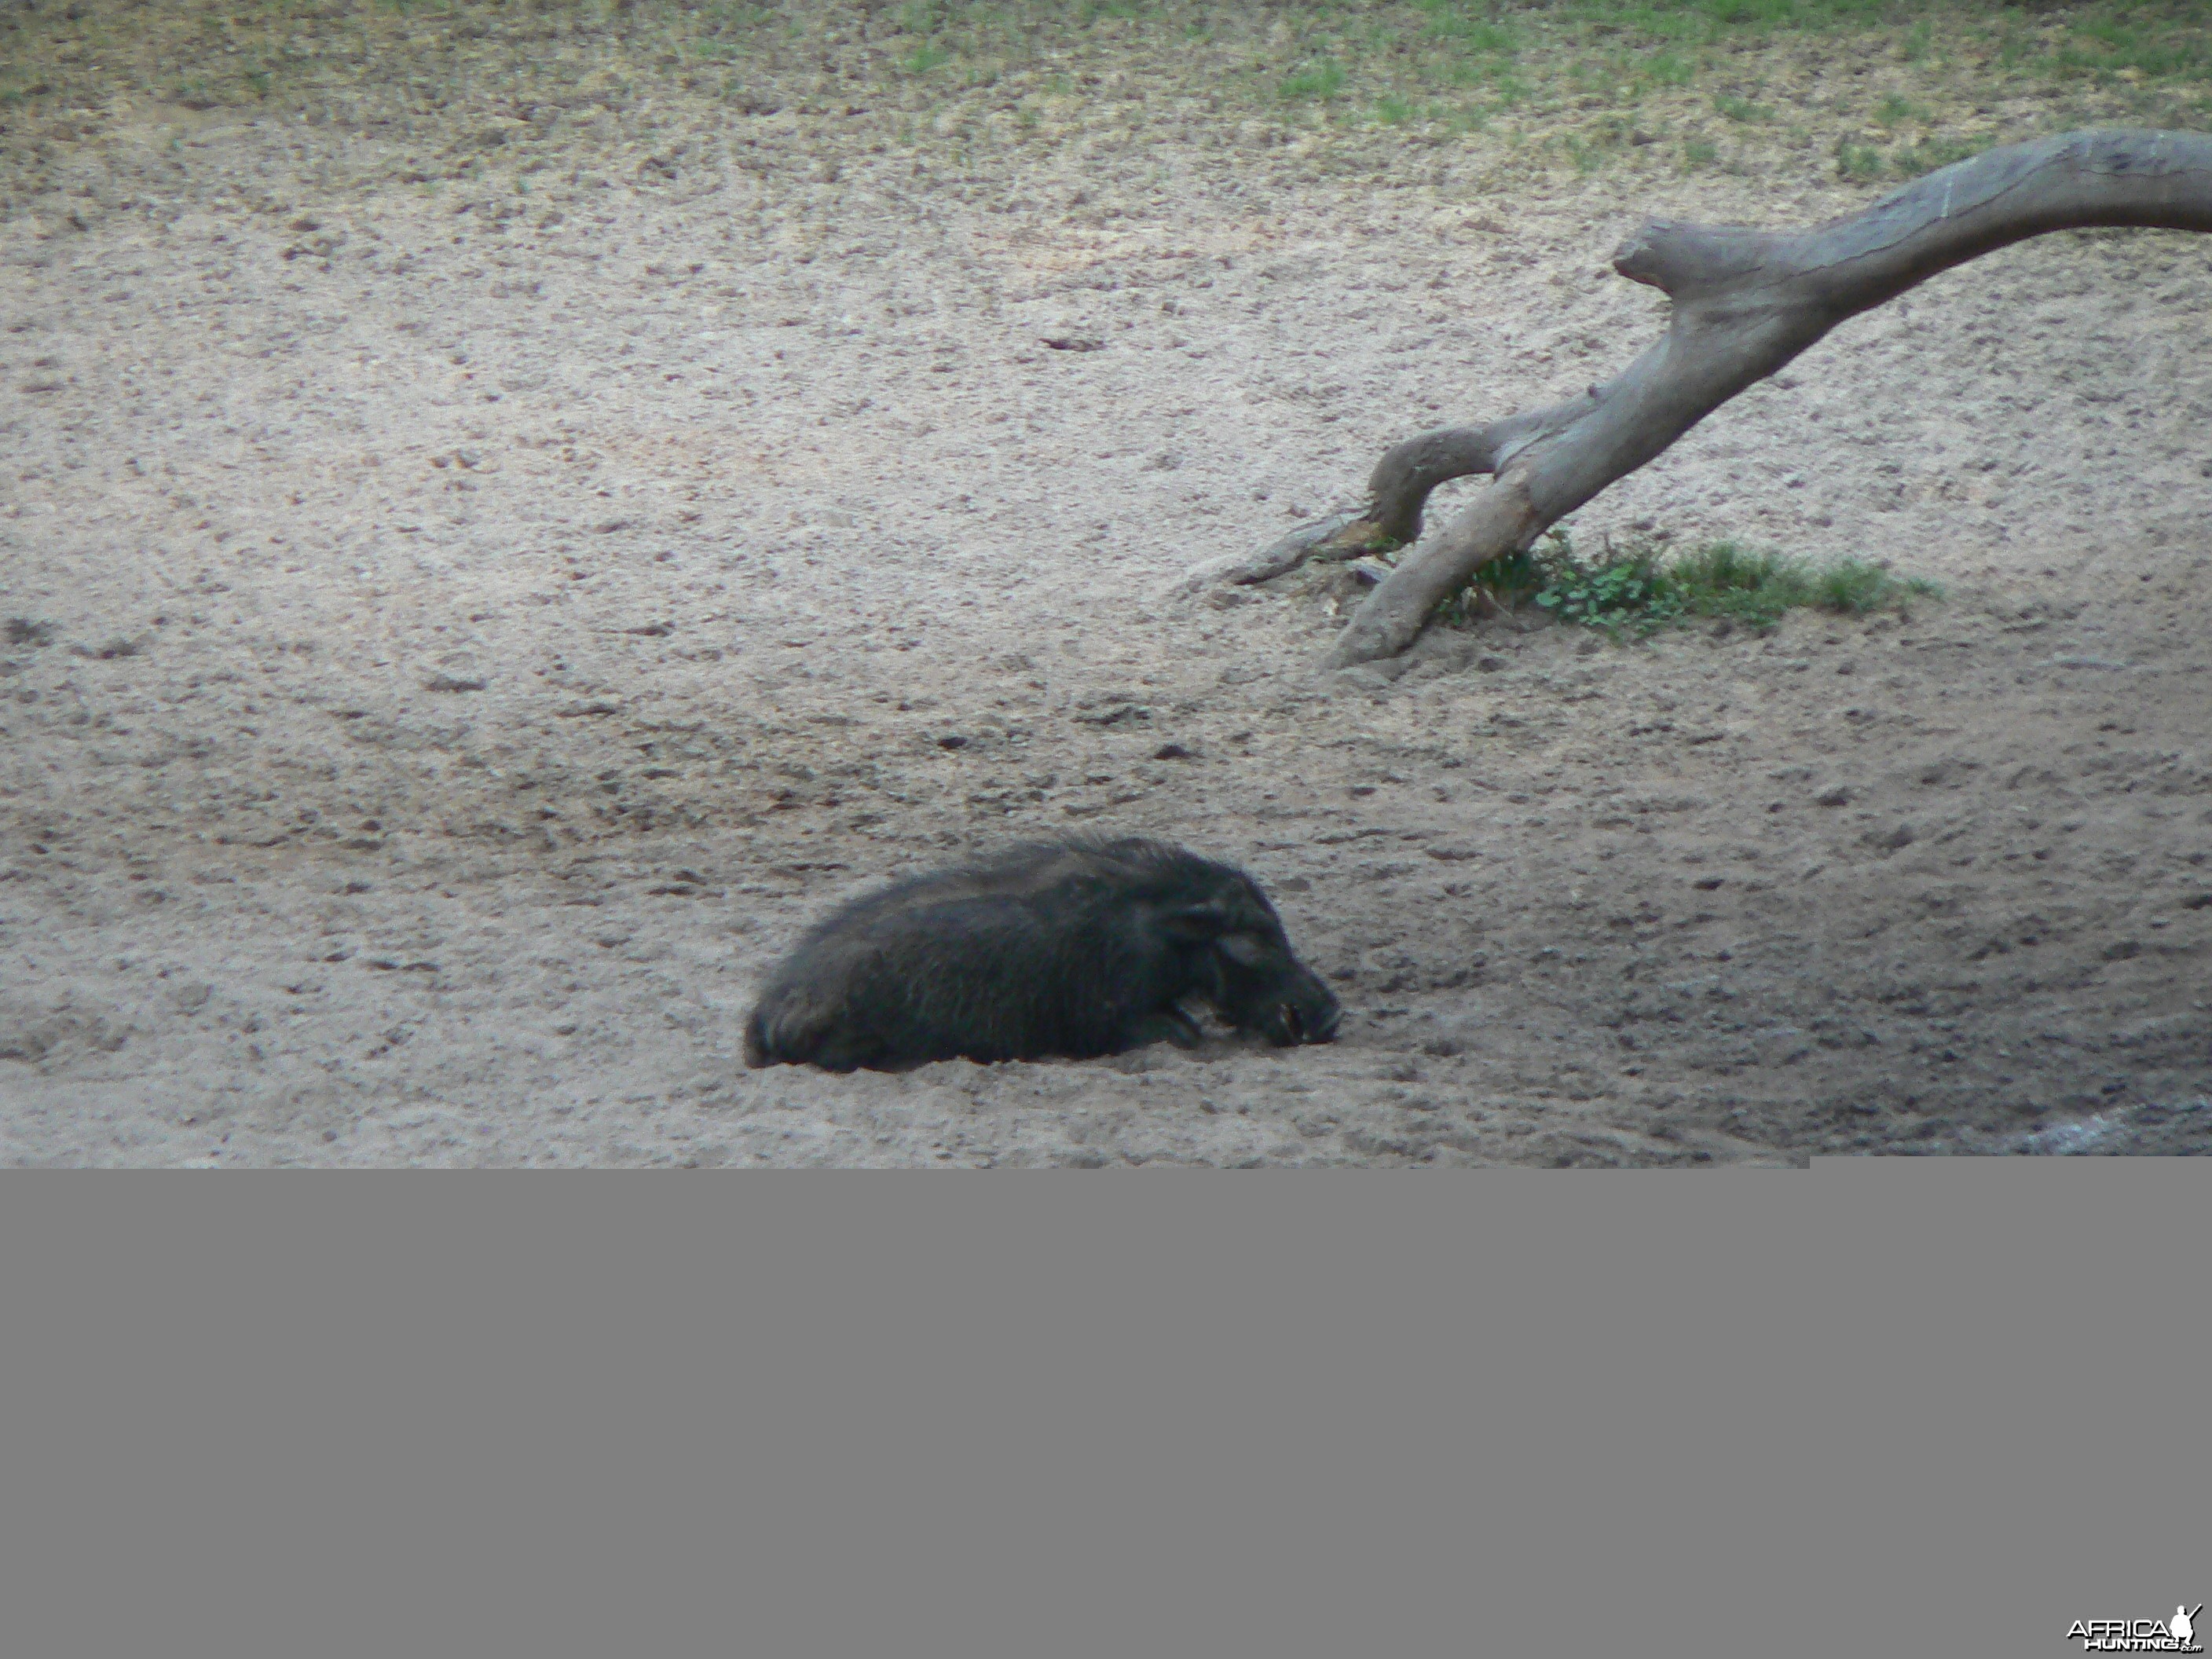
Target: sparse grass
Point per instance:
(1860, 163)
(1637, 589)
(1589, 152)
(1569, 82)
(1869, 163)
(1319, 80)
(1458, 22)
(1724, 579)
(1911, 161)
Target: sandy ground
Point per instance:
(459, 643)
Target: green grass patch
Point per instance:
(1911, 161)
(1470, 28)
(2136, 43)
(1870, 163)
(1638, 588)
(1724, 579)
(1860, 163)
(1323, 80)
(1717, 20)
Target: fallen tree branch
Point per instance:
(1745, 303)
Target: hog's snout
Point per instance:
(1319, 1027)
(1310, 1013)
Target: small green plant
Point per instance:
(1741, 109)
(1620, 591)
(1892, 111)
(1699, 152)
(1392, 110)
(1505, 583)
(927, 55)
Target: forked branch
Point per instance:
(1745, 303)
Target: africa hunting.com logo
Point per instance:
(2174, 1635)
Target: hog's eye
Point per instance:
(1246, 950)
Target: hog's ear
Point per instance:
(1207, 921)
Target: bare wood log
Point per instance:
(1745, 302)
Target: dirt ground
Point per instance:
(458, 643)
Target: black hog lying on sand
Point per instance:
(1077, 948)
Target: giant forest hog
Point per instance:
(1078, 948)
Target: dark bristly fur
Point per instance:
(1078, 948)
